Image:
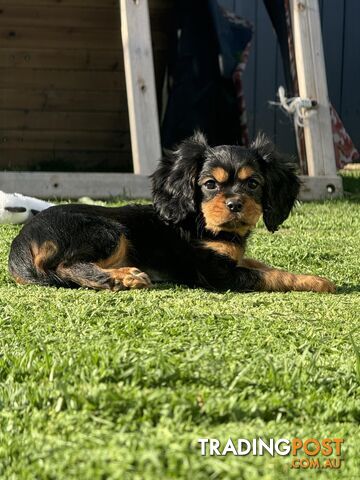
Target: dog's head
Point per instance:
(229, 186)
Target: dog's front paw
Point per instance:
(128, 278)
(321, 284)
(313, 283)
(135, 278)
(279, 281)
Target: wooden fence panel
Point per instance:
(350, 92)
(264, 72)
(62, 84)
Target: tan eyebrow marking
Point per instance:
(245, 172)
(220, 174)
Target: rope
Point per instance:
(296, 106)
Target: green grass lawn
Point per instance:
(97, 385)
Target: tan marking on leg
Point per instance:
(229, 249)
(118, 257)
(220, 174)
(280, 281)
(245, 172)
(20, 280)
(129, 277)
(42, 253)
(71, 275)
(92, 276)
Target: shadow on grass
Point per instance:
(169, 286)
(348, 289)
(352, 198)
(351, 184)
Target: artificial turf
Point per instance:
(97, 385)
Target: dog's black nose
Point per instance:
(234, 205)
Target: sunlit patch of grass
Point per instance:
(103, 385)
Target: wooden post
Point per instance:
(140, 85)
(311, 75)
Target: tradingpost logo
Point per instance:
(310, 453)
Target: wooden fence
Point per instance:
(341, 39)
(62, 87)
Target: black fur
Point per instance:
(174, 181)
(281, 183)
(167, 239)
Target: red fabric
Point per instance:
(345, 151)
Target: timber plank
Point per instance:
(108, 60)
(58, 16)
(72, 3)
(140, 86)
(76, 185)
(81, 3)
(37, 120)
(51, 160)
(310, 66)
(65, 79)
(63, 140)
(65, 37)
(71, 17)
(63, 100)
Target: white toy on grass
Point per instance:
(16, 208)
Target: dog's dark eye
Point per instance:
(252, 183)
(210, 184)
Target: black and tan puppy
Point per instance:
(206, 203)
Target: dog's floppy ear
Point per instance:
(174, 181)
(281, 183)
